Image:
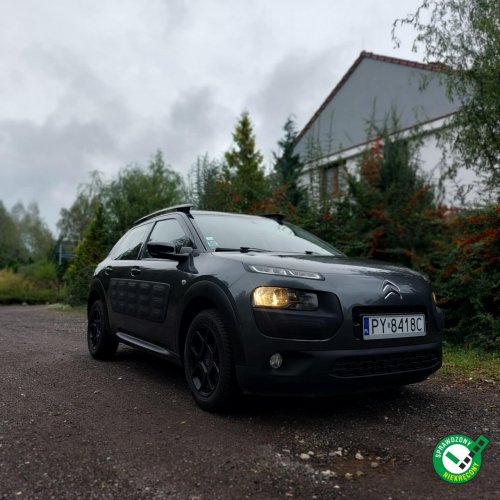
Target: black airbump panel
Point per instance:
(142, 299)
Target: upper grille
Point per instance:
(382, 364)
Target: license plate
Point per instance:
(393, 326)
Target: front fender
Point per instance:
(217, 294)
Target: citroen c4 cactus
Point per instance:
(254, 304)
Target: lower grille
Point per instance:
(382, 364)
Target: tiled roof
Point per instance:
(436, 67)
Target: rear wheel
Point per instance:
(208, 362)
(101, 344)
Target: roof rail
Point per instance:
(176, 208)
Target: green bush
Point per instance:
(78, 279)
(15, 288)
(467, 277)
(43, 271)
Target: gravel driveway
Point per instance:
(72, 427)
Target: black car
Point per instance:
(257, 305)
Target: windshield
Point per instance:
(229, 231)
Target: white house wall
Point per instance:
(372, 91)
(434, 161)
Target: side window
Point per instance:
(170, 231)
(130, 244)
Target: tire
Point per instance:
(101, 344)
(208, 362)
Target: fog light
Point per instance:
(276, 360)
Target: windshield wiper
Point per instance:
(307, 252)
(240, 249)
(252, 249)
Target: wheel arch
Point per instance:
(209, 295)
(96, 293)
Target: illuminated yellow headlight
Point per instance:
(284, 298)
(434, 297)
(270, 296)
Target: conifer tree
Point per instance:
(288, 168)
(89, 252)
(244, 170)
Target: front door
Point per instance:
(158, 282)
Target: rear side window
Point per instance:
(129, 246)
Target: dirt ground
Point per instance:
(72, 427)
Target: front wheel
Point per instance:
(101, 344)
(208, 362)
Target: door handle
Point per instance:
(135, 271)
(108, 270)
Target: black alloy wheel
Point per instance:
(208, 362)
(204, 360)
(101, 344)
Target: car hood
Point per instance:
(323, 264)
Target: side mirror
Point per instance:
(166, 250)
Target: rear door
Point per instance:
(122, 271)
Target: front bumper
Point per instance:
(323, 373)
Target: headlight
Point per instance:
(434, 298)
(284, 298)
(279, 271)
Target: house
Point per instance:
(374, 88)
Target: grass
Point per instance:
(470, 363)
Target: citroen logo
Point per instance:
(389, 288)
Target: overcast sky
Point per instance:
(99, 84)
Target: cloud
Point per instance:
(197, 121)
(194, 125)
(296, 86)
(46, 162)
(45, 159)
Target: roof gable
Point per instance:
(373, 88)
